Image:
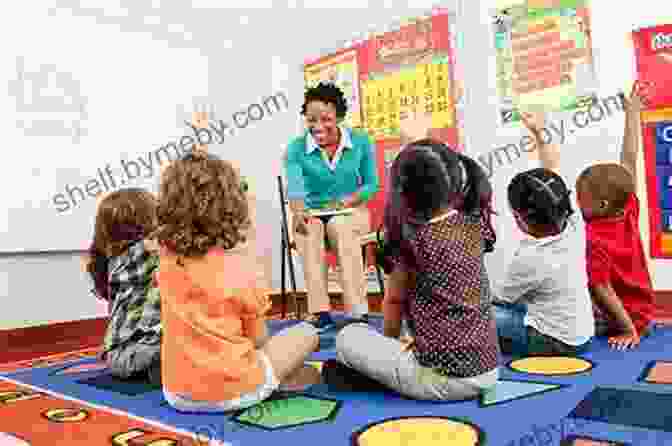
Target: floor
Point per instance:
(603, 398)
(27, 343)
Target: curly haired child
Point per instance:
(217, 353)
(618, 274)
(121, 265)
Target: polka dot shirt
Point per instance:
(450, 301)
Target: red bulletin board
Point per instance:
(409, 65)
(653, 53)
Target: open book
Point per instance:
(328, 212)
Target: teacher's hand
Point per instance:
(534, 120)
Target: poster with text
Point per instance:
(407, 71)
(653, 55)
(543, 56)
(341, 70)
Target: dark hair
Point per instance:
(426, 176)
(123, 217)
(202, 204)
(541, 197)
(329, 94)
(608, 182)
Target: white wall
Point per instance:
(44, 288)
(251, 53)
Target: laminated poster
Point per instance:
(544, 56)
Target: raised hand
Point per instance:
(638, 96)
(200, 121)
(549, 153)
(534, 121)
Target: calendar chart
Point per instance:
(391, 98)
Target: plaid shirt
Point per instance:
(135, 313)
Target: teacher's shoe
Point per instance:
(322, 321)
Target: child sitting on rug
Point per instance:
(121, 264)
(438, 277)
(618, 274)
(217, 352)
(543, 306)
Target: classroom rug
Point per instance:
(605, 397)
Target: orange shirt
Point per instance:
(212, 310)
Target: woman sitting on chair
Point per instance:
(330, 167)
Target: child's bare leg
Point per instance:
(288, 349)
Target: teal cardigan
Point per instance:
(310, 177)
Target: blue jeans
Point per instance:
(520, 340)
(510, 319)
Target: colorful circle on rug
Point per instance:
(66, 415)
(551, 365)
(420, 431)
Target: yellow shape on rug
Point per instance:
(420, 431)
(551, 365)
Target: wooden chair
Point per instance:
(288, 247)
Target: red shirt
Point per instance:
(615, 255)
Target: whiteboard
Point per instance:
(80, 99)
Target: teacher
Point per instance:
(331, 166)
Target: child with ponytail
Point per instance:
(543, 305)
(437, 229)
